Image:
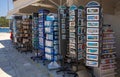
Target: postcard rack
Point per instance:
(41, 29)
(76, 35)
(51, 40)
(63, 32)
(35, 37)
(35, 32)
(26, 37)
(93, 38)
(18, 33)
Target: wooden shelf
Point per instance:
(109, 53)
(109, 48)
(109, 43)
(109, 58)
(109, 32)
(108, 64)
(108, 38)
(109, 74)
(109, 69)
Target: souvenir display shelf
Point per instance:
(18, 32)
(108, 64)
(51, 41)
(76, 34)
(93, 34)
(25, 37)
(35, 35)
(41, 29)
(63, 32)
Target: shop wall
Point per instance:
(114, 20)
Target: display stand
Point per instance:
(41, 22)
(93, 38)
(35, 38)
(51, 41)
(16, 24)
(76, 35)
(63, 19)
(108, 55)
(99, 49)
(26, 36)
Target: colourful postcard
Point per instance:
(92, 50)
(92, 10)
(92, 44)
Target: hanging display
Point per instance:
(51, 41)
(35, 31)
(41, 29)
(93, 14)
(76, 33)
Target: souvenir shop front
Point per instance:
(70, 35)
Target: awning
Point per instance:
(30, 6)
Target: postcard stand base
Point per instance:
(53, 65)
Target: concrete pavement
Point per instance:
(14, 64)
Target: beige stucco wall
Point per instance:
(114, 20)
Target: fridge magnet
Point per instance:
(93, 24)
(72, 23)
(92, 10)
(79, 30)
(92, 44)
(92, 50)
(72, 46)
(92, 31)
(61, 11)
(72, 35)
(49, 43)
(92, 17)
(79, 46)
(63, 20)
(63, 26)
(91, 57)
(71, 40)
(63, 36)
(92, 37)
(48, 23)
(72, 18)
(63, 30)
(72, 30)
(72, 12)
(49, 36)
(92, 63)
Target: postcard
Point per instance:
(92, 50)
(92, 10)
(92, 17)
(92, 31)
(91, 57)
(92, 37)
(92, 63)
(92, 44)
(92, 24)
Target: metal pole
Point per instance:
(54, 3)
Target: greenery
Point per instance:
(4, 22)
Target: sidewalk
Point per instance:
(15, 64)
